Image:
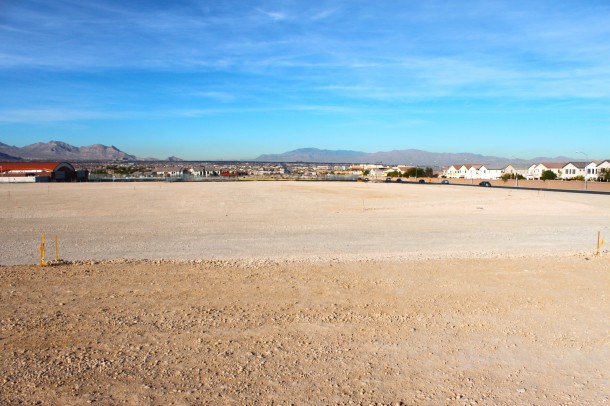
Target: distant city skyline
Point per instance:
(234, 80)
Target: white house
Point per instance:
(452, 171)
(201, 171)
(603, 165)
(380, 172)
(403, 168)
(486, 172)
(573, 169)
(594, 169)
(470, 171)
(467, 171)
(531, 172)
(517, 169)
(169, 172)
(535, 171)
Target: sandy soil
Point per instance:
(305, 293)
(308, 220)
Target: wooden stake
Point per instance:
(42, 263)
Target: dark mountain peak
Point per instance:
(8, 158)
(59, 150)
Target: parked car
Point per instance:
(485, 184)
(398, 180)
(388, 179)
(421, 181)
(445, 182)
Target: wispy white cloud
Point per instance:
(109, 34)
(314, 108)
(274, 15)
(56, 115)
(321, 56)
(323, 14)
(481, 77)
(50, 115)
(215, 95)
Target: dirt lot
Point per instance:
(303, 293)
(305, 220)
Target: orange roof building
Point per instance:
(55, 170)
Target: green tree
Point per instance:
(418, 172)
(548, 175)
(393, 174)
(604, 174)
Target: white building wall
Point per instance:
(538, 169)
(592, 171)
(483, 173)
(531, 172)
(452, 172)
(17, 179)
(604, 165)
(512, 170)
(493, 174)
(570, 171)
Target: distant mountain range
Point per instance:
(405, 156)
(60, 151)
(8, 158)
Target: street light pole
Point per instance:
(587, 158)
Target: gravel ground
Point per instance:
(488, 332)
(301, 220)
(304, 293)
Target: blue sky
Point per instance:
(235, 79)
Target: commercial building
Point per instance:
(39, 172)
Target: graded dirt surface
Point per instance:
(308, 220)
(304, 293)
(492, 332)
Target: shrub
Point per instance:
(548, 175)
(418, 172)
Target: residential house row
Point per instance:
(218, 170)
(564, 170)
